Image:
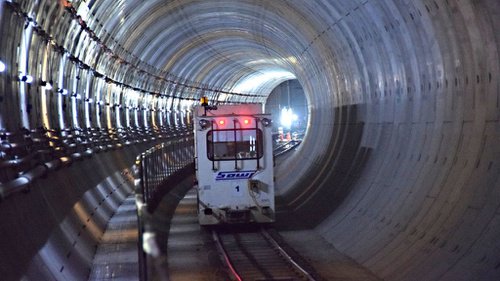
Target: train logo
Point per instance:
(234, 175)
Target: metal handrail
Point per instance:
(155, 165)
(152, 169)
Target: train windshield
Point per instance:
(234, 144)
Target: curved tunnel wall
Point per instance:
(399, 169)
(51, 231)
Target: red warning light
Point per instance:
(246, 121)
(221, 122)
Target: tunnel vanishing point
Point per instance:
(399, 169)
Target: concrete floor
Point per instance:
(117, 255)
(328, 261)
(192, 256)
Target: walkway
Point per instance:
(116, 257)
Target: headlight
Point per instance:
(266, 122)
(204, 124)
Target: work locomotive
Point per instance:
(234, 164)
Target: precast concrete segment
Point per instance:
(425, 206)
(399, 168)
(52, 230)
(195, 36)
(69, 251)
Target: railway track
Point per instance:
(285, 147)
(257, 256)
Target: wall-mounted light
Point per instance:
(26, 78)
(63, 92)
(2, 66)
(46, 85)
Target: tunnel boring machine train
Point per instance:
(234, 164)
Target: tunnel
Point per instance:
(399, 167)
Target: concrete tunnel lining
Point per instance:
(400, 165)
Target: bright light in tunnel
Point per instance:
(83, 11)
(258, 80)
(2, 66)
(26, 78)
(287, 117)
(290, 59)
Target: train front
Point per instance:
(234, 164)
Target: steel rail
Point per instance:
(221, 249)
(285, 255)
(282, 149)
(275, 245)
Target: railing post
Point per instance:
(139, 187)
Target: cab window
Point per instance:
(233, 144)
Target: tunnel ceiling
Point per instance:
(224, 45)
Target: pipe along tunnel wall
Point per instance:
(400, 165)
